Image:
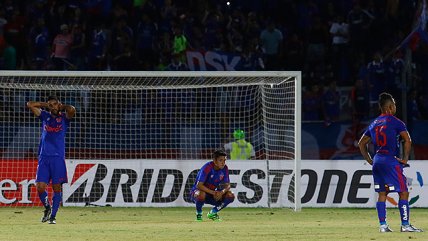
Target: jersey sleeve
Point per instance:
(367, 133)
(226, 175)
(64, 115)
(206, 169)
(43, 115)
(400, 126)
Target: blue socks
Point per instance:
(381, 212)
(56, 200)
(44, 199)
(403, 205)
(224, 204)
(199, 205)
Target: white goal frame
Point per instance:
(294, 76)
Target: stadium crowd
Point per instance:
(358, 45)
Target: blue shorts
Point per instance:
(208, 198)
(51, 168)
(388, 175)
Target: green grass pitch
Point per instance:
(107, 223)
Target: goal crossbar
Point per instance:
(144, 117)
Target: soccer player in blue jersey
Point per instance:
(55, 118)
(212, 186)
(387, 166)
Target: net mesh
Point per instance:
(175, 116)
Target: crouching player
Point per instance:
(212, 186)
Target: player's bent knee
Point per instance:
(199, 196)
(57, 187)
(41, 187)
(230, 195)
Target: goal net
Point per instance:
(139, 138)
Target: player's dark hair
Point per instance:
(384, 99)
(52, 97)
(218, 153)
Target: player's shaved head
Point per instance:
(385, 101)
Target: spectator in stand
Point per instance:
(78, 48)
(3, 21)
(317, 48)
(212, 21)
(145, 45)
(312, 103)
(121, 40)
(40, 46)
(413, 110)
(331, 103)
(360, 106)
(395, 76)
(15, 31)
(359, 101)
(252, 27)
(339, 31)
(234, 36)
(125, 60)
(180, 44)
(359, 23)
(98, 49)
(271, 41)
(164, 47)
(423, 104)
(252, 57)
(176, 63)
(376, 74)
(61, 48)
(294, 52)
(9, 55)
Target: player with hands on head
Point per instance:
(55, 118)
(387, 167)
(212, 186)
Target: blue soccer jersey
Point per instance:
(54, 129)
(210, 177)
(388, 175)
(384, 132)
(51, 165)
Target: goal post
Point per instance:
(138, 138)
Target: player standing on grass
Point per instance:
(387, 168)
(212, 186)
(51, 165)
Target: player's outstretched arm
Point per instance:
(36, 106)
(70, 111)
(362, 144)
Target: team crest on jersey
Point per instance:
(221, 177)
(53, 128)
(58, 119)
